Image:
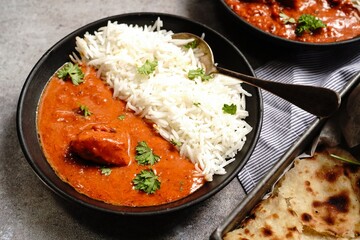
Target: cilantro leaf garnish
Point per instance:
(175, 143)
(308, 23)
(73, 71)
(85, 110)
(121, 117)
(105, 171)
(145, 155)
(345, 159)
(181, 186)
(148, 67)
(192, 74)
(229, 109)
(192, 44)
(146, 181)
(286, 19)
(197, 104)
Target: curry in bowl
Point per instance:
(108, 135)
(134, 121)
(323, 21)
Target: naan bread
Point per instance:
(321, 194)
(318, 199)
(267, 222)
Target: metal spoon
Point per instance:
(319, 101)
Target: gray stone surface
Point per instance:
(29, 210)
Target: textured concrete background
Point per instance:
(28, 209)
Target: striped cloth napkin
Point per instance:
(284, 123)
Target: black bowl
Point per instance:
(258, 33)
(225, 53)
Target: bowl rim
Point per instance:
(52, 186)
(283, 40)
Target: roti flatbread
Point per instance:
(321, 194)
(318, 199)
(267, 222)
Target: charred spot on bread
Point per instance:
(329, 220)
(309, 189)
(293, 229)
(275, 216)
(340, 202)
(291, 212)
(266, 231)
(306, 217)
(330, 174)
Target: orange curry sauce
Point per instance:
(59, 122)
(342, 19)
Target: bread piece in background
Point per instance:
(318, 198)
(320, 191)
(271, 219)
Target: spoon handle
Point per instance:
(319, 101)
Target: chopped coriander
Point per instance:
(145, 155)
(286, 19)
(105, 171)
(146, 181)
(121, 117)
(192, 74)
(181, 186)
(73, 71)
(196, 104)
(229, 109)
(308, 23)
(192, 44)
(148, 67)
(85, 110)
(175, 143)
(345, 159)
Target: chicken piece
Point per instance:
(102, 145)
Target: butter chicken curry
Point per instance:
(105, 151)
(302, 20)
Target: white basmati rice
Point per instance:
(183, 110)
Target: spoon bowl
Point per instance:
(318, 101)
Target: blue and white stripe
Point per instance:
(283, 122)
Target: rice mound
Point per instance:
(182, 110)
